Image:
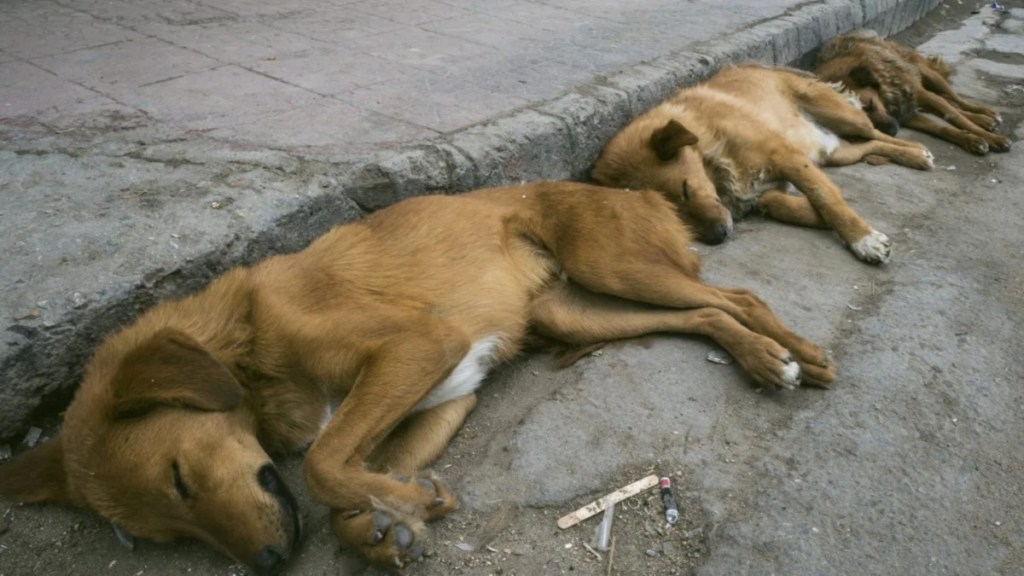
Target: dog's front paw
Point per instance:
(770, 364)
(383, 535)
(994, 119)
(927, 160)
(985, 121)
(973, 143)
(998, 143)
(441, 500)
(818, 374)
(874, 248)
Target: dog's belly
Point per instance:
(813, 140)
(467, 375)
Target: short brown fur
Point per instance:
(169, 432)
(899, 87)
(732, 144)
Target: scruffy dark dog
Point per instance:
(899, 87)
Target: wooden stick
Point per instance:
(574, 518)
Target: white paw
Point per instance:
(875, 248)
(790, 375)
(929, 158)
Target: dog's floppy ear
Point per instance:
(863, 77)
(172, 369)
(36, 476)
(667, 140)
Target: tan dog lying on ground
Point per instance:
(899, 87)
(739, 140)
(393, 320)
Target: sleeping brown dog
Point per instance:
(744, 139)
(899, 87)
(369, 345)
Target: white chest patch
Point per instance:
(827, 143)
(467, 375)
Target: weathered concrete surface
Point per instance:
(147, 146)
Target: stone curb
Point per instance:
(553, 140)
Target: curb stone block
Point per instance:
(592, 118)
(645, 85)
(828, 26)
(523, 147)
(869, 10)
(742, 47)
(692, 66)
(807, 30)
(395, 177)
(785, 41)
(461, 171)
(846, 16)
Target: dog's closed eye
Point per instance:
(179, 484)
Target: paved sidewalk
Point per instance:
(146, 146)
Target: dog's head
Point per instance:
(663, 156)
(160, 442)
(864, 83)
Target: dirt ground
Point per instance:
(507, 523)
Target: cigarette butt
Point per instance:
(574, 518)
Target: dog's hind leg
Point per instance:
(421, 437)
(830, 109)
(791, 209)
(759, 342)
(852, 152)
(381, 516)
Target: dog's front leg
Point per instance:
(981, 115)
(378, 515)
(865, 242)
(930, 125)
(937, 105)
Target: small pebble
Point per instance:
(78, 301)
(717, 356)
(5, 452)
(32, 437)
(651, 552)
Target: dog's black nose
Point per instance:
(890, 127)
(717, 234)
(271, 481)
(269, 562)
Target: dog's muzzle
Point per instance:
(717, 234)
(271, 561)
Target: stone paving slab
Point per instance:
(147, 146)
